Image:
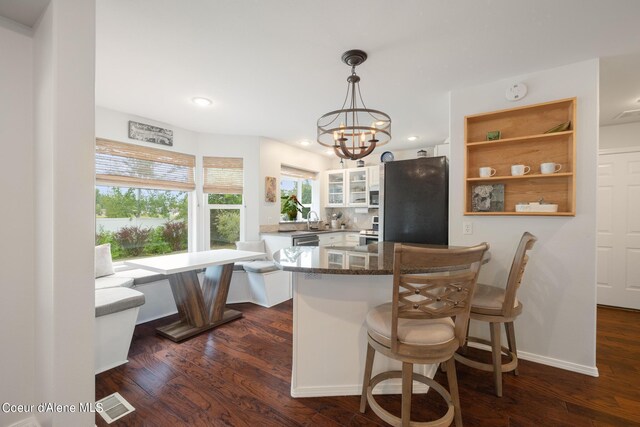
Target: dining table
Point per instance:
(201, 307)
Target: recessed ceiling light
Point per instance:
(305, 142)
(202, 102)
(413, 138)
(329, 151)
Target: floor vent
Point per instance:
(114, 407)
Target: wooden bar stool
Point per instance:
(500, 306)
(430, 287)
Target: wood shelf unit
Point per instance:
(523, 141)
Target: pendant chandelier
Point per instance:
(354, 131)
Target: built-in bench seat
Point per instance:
(116, 311)
(260, 281)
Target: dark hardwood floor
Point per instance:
(239, 375)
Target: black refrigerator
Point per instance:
(415, 201)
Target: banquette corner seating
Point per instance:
(128, 297)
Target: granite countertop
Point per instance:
(372, 259)
(305, 232)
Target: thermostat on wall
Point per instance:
(516, 92)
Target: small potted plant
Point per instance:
(291, 207)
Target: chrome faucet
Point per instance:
(309, 219)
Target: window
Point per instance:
(301, 183)
(142, 199)
(223, 188)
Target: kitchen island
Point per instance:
(333, 289)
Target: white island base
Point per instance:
(330, 337)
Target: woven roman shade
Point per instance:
(222, 175)
(122, 164)
(292, 172)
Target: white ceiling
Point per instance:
(24, 12)
(619, 88)
(273, 67)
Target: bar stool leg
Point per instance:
(453, 390)
(368, 367)
(511, 339)
(407, 390)
(496, 352)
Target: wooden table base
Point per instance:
(200, 308)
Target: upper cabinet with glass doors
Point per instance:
(336, 189)
(357, 185)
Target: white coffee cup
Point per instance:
(547, 168)
(520, 170)
(487, 171)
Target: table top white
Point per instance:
(178, 263)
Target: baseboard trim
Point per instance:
(549, 361)
(388, 387)
(353, 390)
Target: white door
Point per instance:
(619, 229)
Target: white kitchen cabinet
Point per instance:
(336, 189)
(330, 239)
(339, 238)
(374, 177)
(357, 188)
(351, 238)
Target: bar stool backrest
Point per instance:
(432, 283)
(518, 265)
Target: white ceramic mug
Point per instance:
(520, 170)
(487, 171)
(547, 168)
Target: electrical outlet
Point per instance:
(467, 227)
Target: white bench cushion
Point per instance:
(113, 281)
(252, 246)
(411, 331)
(260, 266)
(115, 300)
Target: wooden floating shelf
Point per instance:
(510, 177)
(541, 136)
(513, 213)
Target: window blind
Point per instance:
(292, 172)
(222, 175)
(122, 164)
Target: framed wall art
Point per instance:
(487, 198)
(270, 189)
(150, 133)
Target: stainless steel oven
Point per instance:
(368, 236)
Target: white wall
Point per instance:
(64, 51)
(620, 136)
(559, 287)
(273, 155)
(16, 216)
